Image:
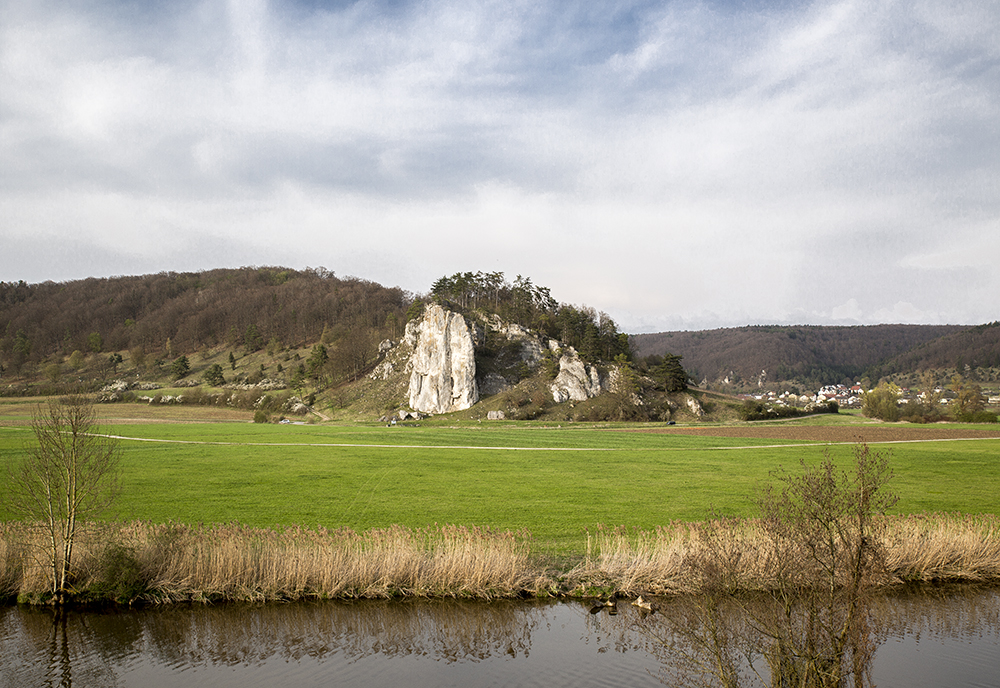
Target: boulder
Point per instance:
(443, 374)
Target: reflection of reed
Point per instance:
(958, 612)
(443, 629)
(89, 649)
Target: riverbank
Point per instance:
(143, 563)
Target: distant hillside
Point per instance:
(811, 355)
(975, 347)
(170, 313)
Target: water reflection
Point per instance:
(764, 640)
(769, 641)
(446, 642)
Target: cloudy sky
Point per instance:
(679, 165)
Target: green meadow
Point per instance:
(555, 482)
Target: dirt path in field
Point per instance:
(873, 433)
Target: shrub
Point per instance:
(976, 417)
(180, 367)
(881, 402)
(261, 416)
(120, 576)
(916, 412)
(213, 376)
(756, 410)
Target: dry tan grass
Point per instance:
(686, 557)
(232, 562)
(944, 547)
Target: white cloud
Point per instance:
(683, 163)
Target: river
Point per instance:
(931, 638)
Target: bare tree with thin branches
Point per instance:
(70, 475)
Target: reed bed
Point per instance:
(740, 555)
(174, 562)
(679, 558)
(943, 547)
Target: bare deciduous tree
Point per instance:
(809, 623)
(71, 474)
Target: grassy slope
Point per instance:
(420, 475)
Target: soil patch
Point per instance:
(836, 433)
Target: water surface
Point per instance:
(937, 638)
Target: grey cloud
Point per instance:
(742, 139)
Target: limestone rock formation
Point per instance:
(576, 381)
(694, 407)
(443, 364)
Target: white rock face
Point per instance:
(443, 377)
(576, 381)
(694, 407)
(532, 352)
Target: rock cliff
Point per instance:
(576, 381)
(437, 354)
(443, 364)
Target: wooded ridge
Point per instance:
(253, 308)
(816, 355)
(179, 313)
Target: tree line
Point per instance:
(593, 334)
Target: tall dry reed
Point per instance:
(176, 562)
(685, 557)
(943, 547)
(12, 559)
(233, 562)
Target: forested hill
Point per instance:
(973, 347)
(170, 314)
(186, 312)
(820, 354)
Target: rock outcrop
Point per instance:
(576, 381)
(694, 407)
(493, 383)
(443, 364)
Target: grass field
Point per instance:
(553, 481)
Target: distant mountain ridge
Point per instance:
(814, 354)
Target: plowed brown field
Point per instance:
(848, 433)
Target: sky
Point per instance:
(678, 165)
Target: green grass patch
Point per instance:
(553, 481)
